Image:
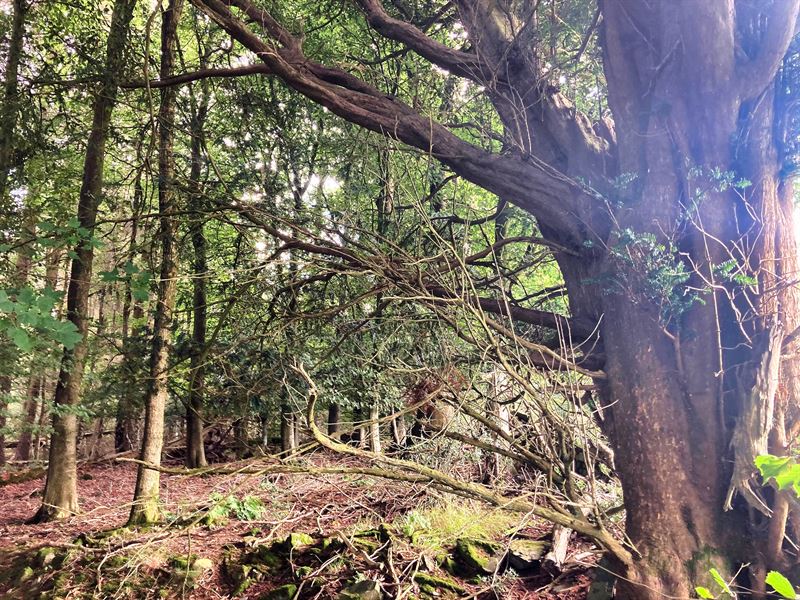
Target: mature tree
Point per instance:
(145, 507)
(60, 495)
(675, 223)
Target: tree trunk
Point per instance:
(374, 429)
(333, 419)
(288, 439)
(125, 429)
(8, 118)
(36, 380)
(60, 494)
(195, 452)
(8, 122)
(145, 507)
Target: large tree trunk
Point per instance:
(145, 507)
(60, 494)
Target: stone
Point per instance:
(202, 564)
(525, 555)
(477, 557)
(297, 540)
(362, 590)
(432, 585)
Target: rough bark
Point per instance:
(288, 438)
(145, 508)
(60, 494)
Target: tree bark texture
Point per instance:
(145, 507)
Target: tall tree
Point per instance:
(195, 450)
(688, 275)
(145, 500)
(60, 497)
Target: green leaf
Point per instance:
(721, 582)
(704, 592)
(781, 585)
(771, 466)
(6, 305)
(20, 339)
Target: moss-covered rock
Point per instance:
(434, 586)
(285, 592)
(525, 555)
(362, 590)
(476, 557)
(294, 541)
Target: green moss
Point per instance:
(475, 557)
(285, 592)
(429, 583)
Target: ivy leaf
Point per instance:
(771, 466)
(704, 592)
(781, 585)
(721, 582)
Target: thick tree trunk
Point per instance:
(60, 495)
(145, 507)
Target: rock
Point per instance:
(525, 555)
(476, 557)
(44, 557)
(202, 564)
(266, 556)
(297, 540)
(362, 590)
(285, 592)
(432, 585)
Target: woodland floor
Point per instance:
(136, 564)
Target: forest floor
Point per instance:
(218, 538)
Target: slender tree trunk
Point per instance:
(145, 507)
(374, 429)
(8, 123)
(195, 452)
(125, 434)
(60, 495)
(36, 381)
